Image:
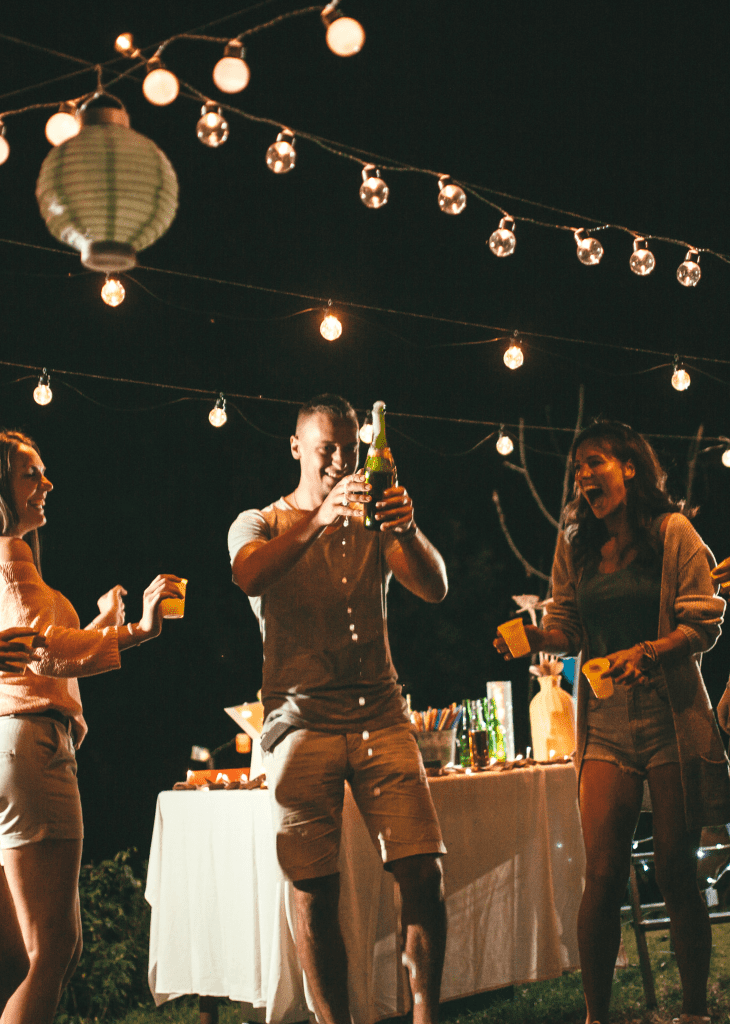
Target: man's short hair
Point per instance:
(331, 405)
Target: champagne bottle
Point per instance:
(380, 470)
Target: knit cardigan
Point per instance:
(688, 602)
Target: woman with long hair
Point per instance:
(632, 582)
(41, 724)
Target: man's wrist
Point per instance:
(410, 533)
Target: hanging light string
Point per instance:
(504, 336)
(364, 157)
(58, 375)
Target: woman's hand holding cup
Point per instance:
(163, 586)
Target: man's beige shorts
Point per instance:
(306, 773)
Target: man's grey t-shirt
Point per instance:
(327, 663)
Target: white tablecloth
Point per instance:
(222, 914)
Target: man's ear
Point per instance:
(295, 449)
(629, 470)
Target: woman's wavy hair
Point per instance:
(10, 440)
(646, 495)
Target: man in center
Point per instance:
(317, 582)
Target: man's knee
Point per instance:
(421, 875)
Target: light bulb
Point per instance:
(589, 250)
(160, 85)
(452, 198)
(725, 459)
(642, 261)
(514, 357)
(366, 433)
(217, 414)
(345, 36)
(124, 44)
(4, 147)
(681, 380)
(504, 443)
(112, 291)
(373, 191)
(502, 241)
(62, 126)
(281, 155)
(43, 394)
(212, 128)
(689, 273)
(232, 73)
(330, 328)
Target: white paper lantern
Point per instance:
(109, 192)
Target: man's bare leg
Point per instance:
(419, 881)
(321, 946)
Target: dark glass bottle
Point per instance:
(380, 470)
(464, 755)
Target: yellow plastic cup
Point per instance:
(513, 633)
(595, 672)
(174, 607)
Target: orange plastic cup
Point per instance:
(595, 672)
(513, 633)
(174, 607)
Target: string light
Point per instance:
(345, 36)
(112, 291)
(504, 442)
(725, 458)
(124, 44)
(160, 85)
(232, 73)
(681, 380)
(502, 242)
(217, 414)
(589, 250)
(4, 147)
(212, 128)
(642, 260)
(688, 272)
(330, 328)
(514, 357)
(452, 198)
(43, 394)
(366, 430)
(373, 191)
(281, 155)
(62, 125)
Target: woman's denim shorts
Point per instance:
(633, 728)
(39, 794)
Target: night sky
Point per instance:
(617, 112)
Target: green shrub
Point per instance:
(112, 974)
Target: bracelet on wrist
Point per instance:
(650, 659)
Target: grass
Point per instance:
(549, 1002)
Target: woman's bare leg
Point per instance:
(675, 860)
(14, 963)
(43, 880)
(610, 802)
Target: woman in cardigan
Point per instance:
(632, 581)
(41, 723)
